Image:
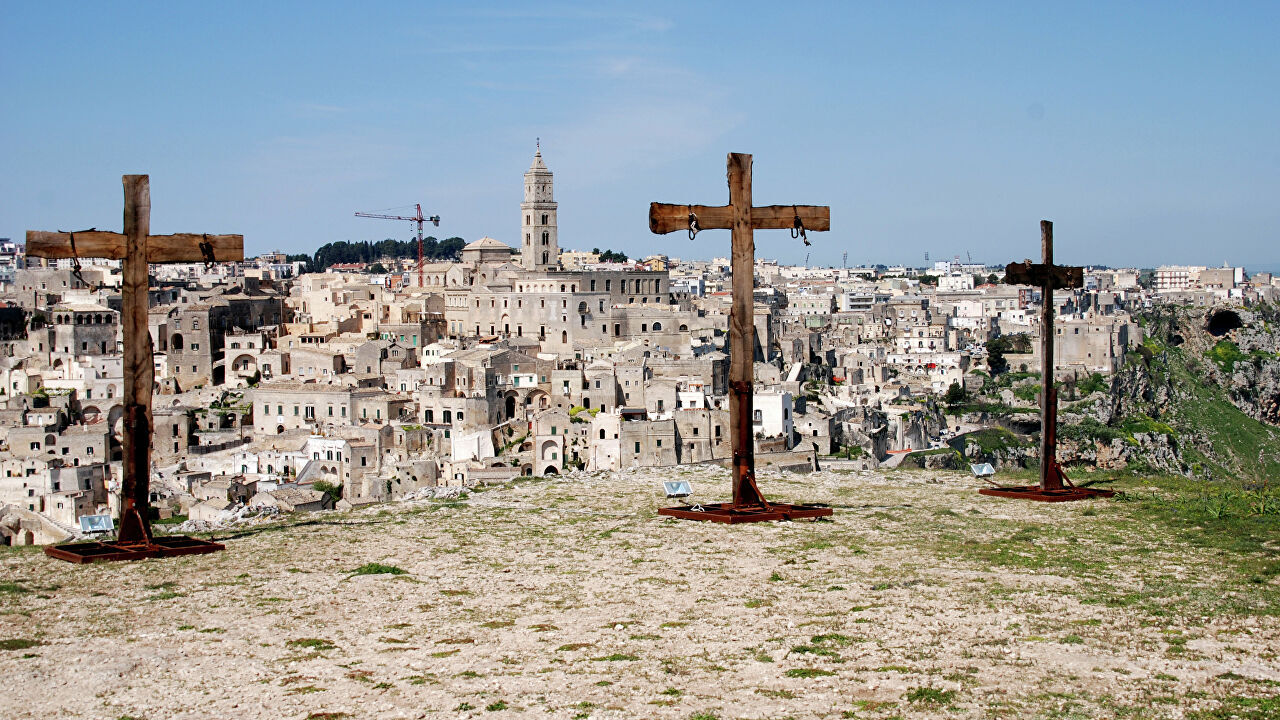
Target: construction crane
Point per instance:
(418, 218)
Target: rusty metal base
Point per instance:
(159, 547)
(1033, 492)
(729, 513)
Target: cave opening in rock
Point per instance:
(1223, 321)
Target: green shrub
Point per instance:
(1226, 354)
(1092, 384)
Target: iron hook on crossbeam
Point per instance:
(797, 228)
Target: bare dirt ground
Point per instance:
(569, 598)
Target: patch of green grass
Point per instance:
(316, 644)
(991, 440)
(930, 696)
(831, 639)
(616, 657)
(1236, 707)
(1072, 640)
(813, 650)
(496, 706)
(18, 644)
(374, 568)
(808, 673)
(12, 588)
(463, 707)
(673, 692)
(757, 602)
(704, 716)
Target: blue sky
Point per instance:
(1148, 132)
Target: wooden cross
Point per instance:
(137, 248)
(1054, 484)
(743, 219)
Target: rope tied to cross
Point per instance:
(206, 249)
(75, 262)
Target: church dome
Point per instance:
(488, 243)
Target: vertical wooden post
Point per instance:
(742, 334)
(139, 371)
(1049, 477)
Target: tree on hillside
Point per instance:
(610, 255)
(343, 251)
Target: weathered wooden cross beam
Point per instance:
(1054, 485)
(137, 248)
(743, 219)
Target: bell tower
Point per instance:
(540, 249)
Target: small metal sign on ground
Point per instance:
(748, 504)
(96, 524)
(1054, 485)
(137, 248)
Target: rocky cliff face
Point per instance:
(1246, 361)
(1200, 396)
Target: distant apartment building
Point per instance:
(1176, 277)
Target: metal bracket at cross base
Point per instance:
(1054, 485)
(739, 216)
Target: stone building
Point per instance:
(540, 248)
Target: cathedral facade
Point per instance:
(562, 311)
